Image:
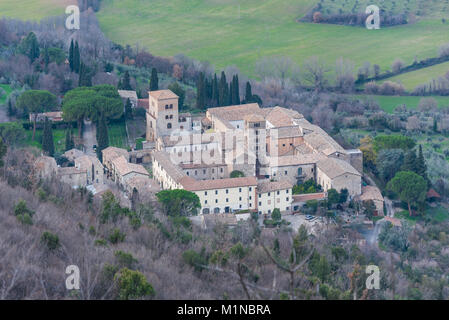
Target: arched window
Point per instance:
(206, 211)
(217, 210)
(168, 125)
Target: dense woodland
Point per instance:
(165, 257)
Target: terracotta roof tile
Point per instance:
(221, 184)
(234, 113)
(123, 167)
(269, 186)
(336, 167)
(163, 94)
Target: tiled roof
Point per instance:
(163, 94)
(128, 94)
(294, 160)
(123, 167)
(44, 162)
(336, 167)
(234, 113)
(163, 158)
(322, 142)
(269, 186)
(371, 193)
(143, 103)
(114, 152)
(255, 117)
(85, 162)
(201, 165)
(287, 132)
(221, 184)
(72, 154)
(143, 184)
(281, 117)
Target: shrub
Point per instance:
(125, 259)
(276, 215)
(237, 174)
(194, 259)
(50, 240)
(132, 285)
(116, 236)
(23, 214)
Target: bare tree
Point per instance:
(314, 73)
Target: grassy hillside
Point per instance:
(412, 79)
(33, 9)
(389, 103)
(226, 33)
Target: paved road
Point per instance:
(89, 138)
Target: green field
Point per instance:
(33, 9)
(412, 79)
(236, 32)
(58, 139)
(231, 32)
(8, 90)
(389, 103)
(117, 135)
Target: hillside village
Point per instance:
(270, 149)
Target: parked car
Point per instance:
(309, 217)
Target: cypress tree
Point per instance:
(85, 78)
(410, 161)
(102, 136)
(69, 143)
(76, 58)
(222, 90)
(215, 91)
(154, 81)
(46, 57)
(421, 167)
(231, 91)
(237, 90)
(248, 93)
(126, 84)
(200, 92)
(47, 139)
(71, 55)
(128, 109)
(208, 90)
(34, 46)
